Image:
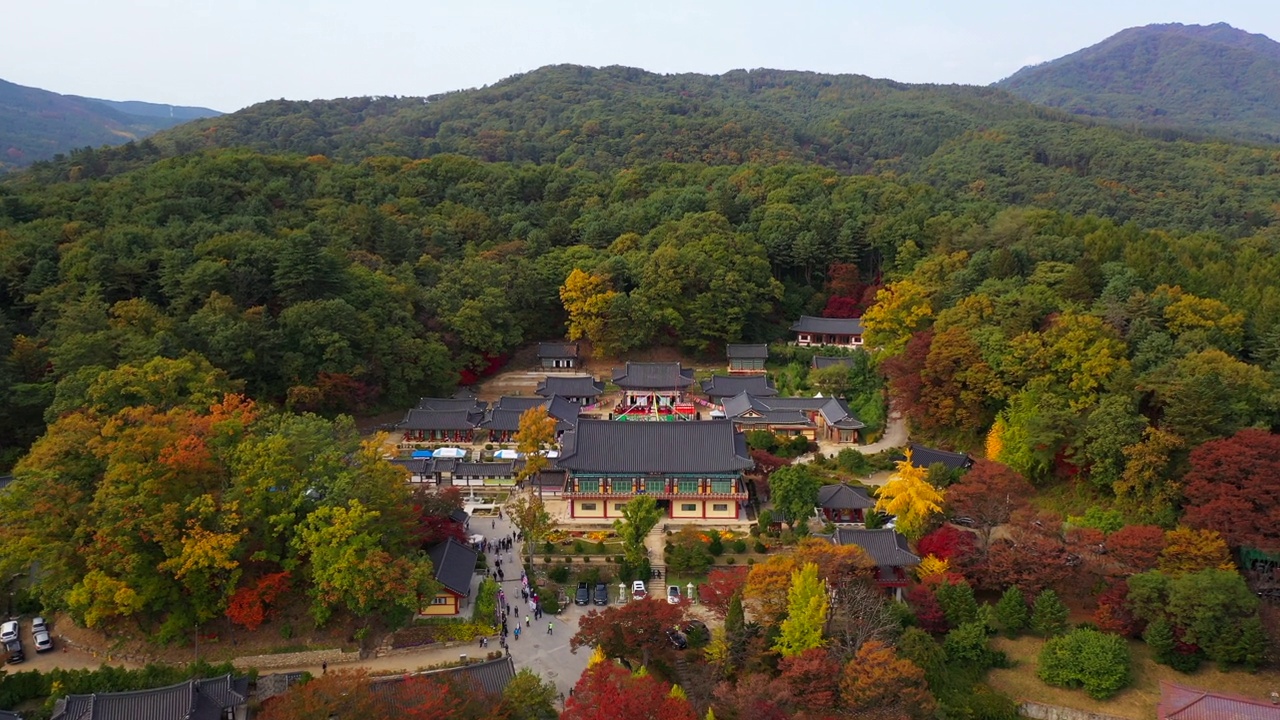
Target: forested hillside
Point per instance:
(38, 125)
(972, 143)
(1213, 79)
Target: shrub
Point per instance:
(967, 646)
(1049, 615)
(751, 561)
(761, 548)
(486, 600)
(729, 561)
(548, 547)
(1011, 612)
(1084, 658)
(551, 603)
(716, 545)
(578, 547)
(600, 547)
(586, 558)
(739, 546)
(559, 573)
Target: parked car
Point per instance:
(38, 625)
(44, 643)
(602, 594)
(8, 631)
(584, 595)
(696, 627)
(678, 640)
(673, 594)
(13, 648)
(638, 591)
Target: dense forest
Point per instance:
(1213, 79)
(1078, 304)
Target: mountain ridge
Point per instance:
(1208, 78)
(38, 124)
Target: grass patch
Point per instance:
(1138, 701)
(1071, 498)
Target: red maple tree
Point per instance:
(989, 494)
(251, 605)
(929, 614)
(1134, 549)
(635, 631)
(606, 691)
(813, 678)
(949, 543)
(1234, 487)
(719, 588)
(1113, 614)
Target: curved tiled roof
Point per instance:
(191, 700)
(844, 497)
(829, 326)
(724, 386)
(453, 564)
(570, 386)
(653, 376)
(747, 352)
(885, 547)
(602, 446)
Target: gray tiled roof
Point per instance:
(723, 386)
(191, 700)
(747, 352)
(885, 547)
(828, 326)
(710, 446)
(922, 456)
(505, 416)
(490, 677)
(460, 402)
(6, 715)
(570, 386)
(459, 516)
(788, 410)
(485, 469)
(653, 376)
(425, 419)
(822, 362)
(844, 497)
(557, 350)
(454, 564)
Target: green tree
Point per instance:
(529, 697)
(639, 516)
(806, 613)
(1085, 658)
(1011, 612)
(350, 568)
(735, 619)
(794, 490)
(1048, 614)
(529, 514)
(957, 602)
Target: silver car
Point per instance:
(44, 643)
(8, 631)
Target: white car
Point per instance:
(38, 625)
(9, 631)
(638, 591)
(673, 594)
(44, 643)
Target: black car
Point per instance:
(698, 629)
(14, 650)
(678, 640)
(602, 594)
(584, 595)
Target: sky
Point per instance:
(227, 54)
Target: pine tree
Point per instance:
(735, 619)
(1252, 643)
(1011, 612)
(1049, 615)
(957, 602)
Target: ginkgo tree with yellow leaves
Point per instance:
(910, 498)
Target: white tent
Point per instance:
(506, 455)
(449, 453)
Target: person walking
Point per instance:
(550, 625)
(526, 621)
(517, 632)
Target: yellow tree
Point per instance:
(910, 498)
(900, 310)
(806, 613)
(587, 298)
(535, 435)
(1187, 551)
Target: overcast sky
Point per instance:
(227, 54)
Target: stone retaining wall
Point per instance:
(310, 658)
(1041, 711)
